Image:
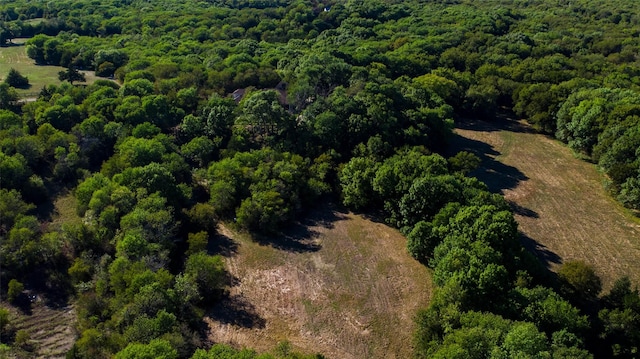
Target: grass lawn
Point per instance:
(338, 284)
(39, 76)
(560, 202)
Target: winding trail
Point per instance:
(562, 208)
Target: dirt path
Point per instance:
(560, 202)
(340, 285)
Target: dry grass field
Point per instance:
(51, 332)
(339, 284)
(560, 203)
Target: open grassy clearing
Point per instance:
(339, 284)
(39, 76)
(51, 328)
(560, 203)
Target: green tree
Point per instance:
(15, 79)
(199, 150)
(265, 120)
(137, 87)
(197, 242)
(8, 96)
(620, 319)
(14, 290)
(11, 207)
(523, 341)
(14, 171)
(427, 195)
(4, 320)
(464, 162)
(156, 349)
(208, 272)
(422, 241)
(72, 75)
(356, 180)
(579, 282)
(263, 211)
(202, 216)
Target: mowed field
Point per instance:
(16, 57)
(562, 208)
(338, 284)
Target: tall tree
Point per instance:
(15, 79)
(72, 75)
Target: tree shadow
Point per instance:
(57, 299)
(222, 245)
(302, 236)
(523, 211)
(540, 251)
(495, 174)
(502, 121)
(23, 302)
(236, 310)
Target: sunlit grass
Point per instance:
(39, 75)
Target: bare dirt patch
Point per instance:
(340, 285)
(50, 329)
(559, 200)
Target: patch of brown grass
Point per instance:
(560, 202)
(342, 285)
(50, 330)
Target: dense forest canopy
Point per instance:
(248, 112)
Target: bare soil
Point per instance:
(563, 210)
(339, 284)
(50, 329)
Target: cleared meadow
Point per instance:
(563, 210)
(339, 284)
(15, 56)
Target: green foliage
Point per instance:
(8, 96)
(137, 87)
(464, 162)
(197, 242)
(221, 351)
(263, 189)
(22, 340)
(523, 341)
(579, 282)
(199, 150)
(203, 216)
(421, 241)
(426, 196)
(356, 178)
(549, 311)
(14, 290)
(263, 120)
(621, 320)
(328, 101)
(208, 272)
(80, 270)
(15, 79)
(156, 349)
(11, 207)
(72, 75)
(4, 320)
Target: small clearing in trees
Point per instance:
(339, 284)
(560, 203)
